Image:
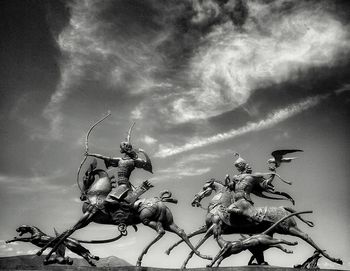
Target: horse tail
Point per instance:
(166, 196)
(307, 222)
(284, 218)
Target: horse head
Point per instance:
(206, 191)
(101, 185)
(222, 193)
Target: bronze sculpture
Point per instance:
(254, 243)
(107, 200)
(219, 221)
(278, 158)
(40, 239)
(311, 262)
(151, 212)
(99, 209)
(122, 192)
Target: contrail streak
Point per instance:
(271, 120)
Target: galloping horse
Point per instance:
(219, 221)
(151, 212)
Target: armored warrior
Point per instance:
(122, 193)
(245, 183)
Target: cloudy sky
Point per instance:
(202, 80)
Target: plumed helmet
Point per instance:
(125, 146)
(242, 164)
(239, 161)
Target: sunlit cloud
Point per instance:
(231, 63)
(271, 120)
(149, 140)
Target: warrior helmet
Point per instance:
(125, 146)
(241, 164)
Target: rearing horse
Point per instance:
(151, 212)
(218, 221)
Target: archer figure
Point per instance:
(122, 193)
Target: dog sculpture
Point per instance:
(40, 239)
(255, 243)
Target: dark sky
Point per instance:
(202, 80)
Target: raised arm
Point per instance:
(109, 161)
(145, 164)
(265, 183)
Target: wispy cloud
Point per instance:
(149, 140)
(231, 63)
(223, 61)
(187, 166)
(20, 185)
(97, 48)
(271, 120)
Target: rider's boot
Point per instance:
(128, 198)
(122, 202)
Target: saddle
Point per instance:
(222, 212)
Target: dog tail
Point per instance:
(284, 218)
(100, 241)
(307, 222)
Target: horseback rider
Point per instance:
(122, 193)
(243, 184)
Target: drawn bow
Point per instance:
(87, 146)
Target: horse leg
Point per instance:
(295, 231)
(204, 238)
(181, 233)
(157, 226)
(220, 260)
(83, 221)
(216, 226)
(201, 230)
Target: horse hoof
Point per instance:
(264, 263)
(138, 264)
(167, 252)
(45, 262)
(96, 258)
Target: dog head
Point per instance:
(23, 229)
